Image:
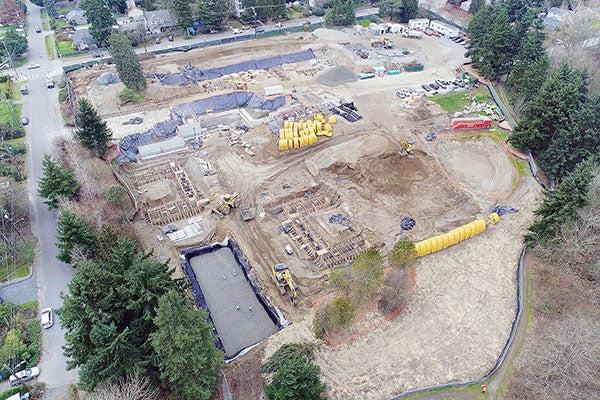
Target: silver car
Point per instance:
(24, 376)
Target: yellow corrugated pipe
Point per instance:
(455, 236)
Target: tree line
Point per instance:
(126, 319)
(560, 118)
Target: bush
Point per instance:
(302, 350)
(319, 12)
(395, 291)
(296, 379)
(403, 254)
(337, 314)
(115, 194)
(129, 96)
(341, 278)
(12, 391)
(367, 272)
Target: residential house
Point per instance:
(418, 23)
(444, 28)
(159, 21)
(133, 23)
(76, 17)
(83, 40)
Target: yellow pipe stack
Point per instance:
(455, 236)
(297, 134)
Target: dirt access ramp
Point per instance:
(454, 327)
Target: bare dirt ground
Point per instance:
(459, 316)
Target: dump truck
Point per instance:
(284, 281)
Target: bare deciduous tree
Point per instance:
(561, 361)
(132, 388)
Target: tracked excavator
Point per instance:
(284, 281)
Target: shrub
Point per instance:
(403, 254)
(115, 194)
(367, 272)
(395, 291)
(302, 350)
(12, 391)
(341, 278)
(296, 379)
(129, 96)
(338, 313)
(319, 12)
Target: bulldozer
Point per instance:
(406, 148)
(226, 202)
(284, 281)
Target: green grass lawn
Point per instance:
(454, 102)
(11, 90)
(364, 23)
(234, 23)
(58, 24)
(66, 48)
(50, 46)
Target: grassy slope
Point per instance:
(454, 102)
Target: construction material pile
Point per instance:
(297, 134)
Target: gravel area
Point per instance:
(336, 76)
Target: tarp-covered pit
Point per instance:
(225, 102)
(193, 74)
(222, 283)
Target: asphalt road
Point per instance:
(42, 108)
(180, 41)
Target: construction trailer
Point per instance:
(418, 23)
(377, 29)
(444, 28)
(479, 122)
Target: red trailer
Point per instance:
(471, 123)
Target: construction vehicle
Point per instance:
(406, 148)
(240, 85)
(225, 202)
(284, 281)
(384, 42)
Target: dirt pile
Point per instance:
(336, 76)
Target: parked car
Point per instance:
(213, 30)
(434, 86)
(170, 38)
(38, 29)
(427, 88)
(24, 89)
(24, 121)
(24, 376)
(49, 83)
(236, 31)
(259, 30)
(47, 317)
(33, 66)
(96, 55)
(157, 40)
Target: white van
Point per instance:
(47, 318)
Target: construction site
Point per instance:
(258, 167)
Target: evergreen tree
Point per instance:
(92, 132)
(490, 45)
(182, 11)
(296, 379)
(476, 6)
(109, 310)
(342, 13)
(399, 10)
(530, 66)
(212, 13)
(74, 235)
(574, 143)
(183, 341)
(559, 99)
(100, 18)
(13, 44)
(56, 183)
(560, 206)
(127, 63)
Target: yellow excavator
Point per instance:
(406, 148)
(284, 281)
